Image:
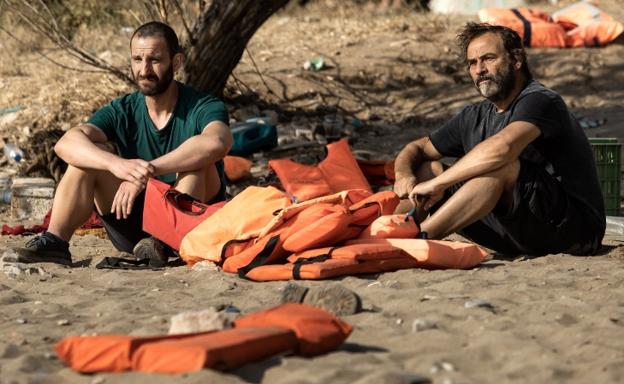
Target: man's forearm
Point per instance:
(409, 159)
(193, 154)
(76, 149)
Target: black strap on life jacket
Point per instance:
(527, 27)
(303, 261)
(261, 257)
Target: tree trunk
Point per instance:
(219, 38)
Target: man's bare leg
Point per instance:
(427, 171)
(473, 201)
(202, 184)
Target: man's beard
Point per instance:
(157, 85)
(499, 86)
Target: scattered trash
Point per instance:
(587, 123)
(253, 135)
(423, 325)
(615, 225)
(202, 321)
(14, 269)
(478, 303)
(5, 188)
(11, 109)
(316, 64)
(13, 153)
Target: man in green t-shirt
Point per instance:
(165, 130)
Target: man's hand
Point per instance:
(136, 171)
(426, 194)
(124, 199)
(404, 185)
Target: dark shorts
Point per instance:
(126, 233)
(542, 219)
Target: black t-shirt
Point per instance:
(562, 148)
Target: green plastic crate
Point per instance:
(607, 155)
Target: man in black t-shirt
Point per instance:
(525, 180)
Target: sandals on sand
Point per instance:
(334, 298)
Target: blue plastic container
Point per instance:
(252, 136)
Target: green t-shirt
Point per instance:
(126, 122)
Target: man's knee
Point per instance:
(428, 170)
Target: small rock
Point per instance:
(399, 321)
(429, 297)
(448, 367)
(37, 302)
(202, 321)
(422, 325)
(155, 289)
(14, 269)
(98, 380)
(21, 321)
(373, 284)
(49, 356)
(393, 377)
(205, 265)
(478, 303)
(63, 322)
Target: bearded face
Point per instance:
(496, 86)
(152, 64)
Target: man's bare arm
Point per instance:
(411, 157)
(491, 154)
(209, 147)
(82, 147)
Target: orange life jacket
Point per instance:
(435, 254)
(324, 263)
(320, 222)
(534, 27)
(377, 172)
(236, 168)
(239, 220)
(300, 328)
(338, 172)
(594, 34)
(579, 13)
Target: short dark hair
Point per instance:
(511, 42)
(154, 28)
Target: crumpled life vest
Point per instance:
(305, 330)
(338, 172)
(578, 25)
(534, 27)
(320, 222)
(236, 168)
(371, 256)
(239, 220)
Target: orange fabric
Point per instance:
(544, 33)
(234, 225)
(236, 168)
(435, 253)
(222, 350)
(320, 222)
(324, 263)
(338, 172)
(579, 13)
(105, 353)
(317, 330)
(290, 327)
(391, 226)
(377, 172)
(594, 34)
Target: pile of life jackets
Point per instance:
(327, 223)
(295, 328)
(579, 25)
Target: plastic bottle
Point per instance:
(13, 152)
(5, 188)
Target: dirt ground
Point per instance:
(392, 77)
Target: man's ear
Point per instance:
(178, 60)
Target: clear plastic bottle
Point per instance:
(5, 188)
(13, 152)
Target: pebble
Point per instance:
(98, 380)
(49, 356)
(442, 366)
(201, 321)
(21, 321)
(14, 269)
(63, 322)
(478, 303)
(429, 297)
(422, 325)
(399, 321)
(38, 302)
(373, 284)
(205, 266)
(155, 289)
